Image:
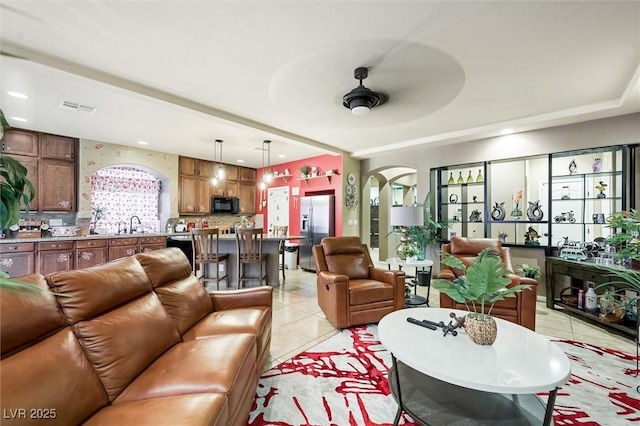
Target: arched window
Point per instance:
(123, 192)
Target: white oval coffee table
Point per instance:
(451, 380)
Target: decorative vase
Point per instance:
(481, 328)
(460, 178)
(451, 181)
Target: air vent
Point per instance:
(74, 106)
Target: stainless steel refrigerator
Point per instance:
(316, 222)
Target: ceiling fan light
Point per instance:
(360, 110)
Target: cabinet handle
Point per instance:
(13, 248)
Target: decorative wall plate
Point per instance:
(351, 178)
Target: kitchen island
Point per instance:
(21, 256)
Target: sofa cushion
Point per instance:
(123, 342)
(155, 265)
(345, 255)
(53, 375)
(186, 301)
(89, 292)
(188, 410)
(219, 364)
(368, 291)
(28, 316)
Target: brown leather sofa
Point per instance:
(351, 291)
(137, 341)
(520, 309)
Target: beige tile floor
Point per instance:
(298, 322)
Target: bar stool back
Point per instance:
(206, 251)
(249, 250)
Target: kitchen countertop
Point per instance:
(180, 235)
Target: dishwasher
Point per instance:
(183, 242)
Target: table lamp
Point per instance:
(405, 217)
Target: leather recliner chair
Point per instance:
(520, 309)
(351, 291)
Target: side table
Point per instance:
(419, 266)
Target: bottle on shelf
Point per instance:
(581, 299)
(479, 178)
(460, 179)
(590, 299)
(451, 181)
(469, 178)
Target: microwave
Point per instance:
(228, 205)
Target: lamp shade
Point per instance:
(406, 216)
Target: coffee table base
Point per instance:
(431, 401)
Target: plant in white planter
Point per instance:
(484, 283)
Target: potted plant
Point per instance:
(430, 231)
(305, 170)
(627, 280)
(528, 270)
(626, 242)
(483, 283)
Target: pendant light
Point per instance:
(218, 169)
(268, 174)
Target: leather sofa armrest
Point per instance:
(446, 274)
(386, 276)
(327, 277)
(242, 298)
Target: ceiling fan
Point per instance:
(360, 100)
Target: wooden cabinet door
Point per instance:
(91, 253)
(57, 147)
(20, 142)
(247, 175)
(187, 166)
(231, 189)
(187, 194)
(18, 259)
(150, 247)
(219, 189)
(247, 194)
(231, 172)
(57, 187)
(203, 197)
(55, 257)
(31, 164)
(205, 168)
(122, 251)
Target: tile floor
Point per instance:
(298, 322)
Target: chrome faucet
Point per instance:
(131, 224)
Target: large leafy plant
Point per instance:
(15, 188)
(627, 243)
(628, 279)
(484, 282)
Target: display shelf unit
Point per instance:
(328, 177)
(284, 177)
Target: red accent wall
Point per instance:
(316, 186)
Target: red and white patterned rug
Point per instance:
(343, 381)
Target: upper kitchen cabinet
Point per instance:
(586, 187)
(248, 175)
(231, 172)
(195, 167)
(57, 147)
(20, 142)
(51, 167)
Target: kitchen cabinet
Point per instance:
(91, 253)
(55, 257)
(18, 259)
(20, 142)
(122, 247)
(195, 167)
(194, 195)
(57, 147)
(247, 175)
(56, 185)
(231, 172)
(51, 167)
(152, 243)
(247, 195)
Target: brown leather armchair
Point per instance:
(351, 291)
(520, 309)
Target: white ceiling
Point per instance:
(181, 74)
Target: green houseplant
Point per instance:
(430, 231)
(628, 280)
(528, 270)
(482, 285)
(626, 237)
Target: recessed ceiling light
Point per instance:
(143, 143)
(18, 95)
(23, 120)
(282, 156)
(240, 161)
(507, 131)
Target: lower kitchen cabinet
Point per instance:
(18, 259)
(152, 243)
(55, 257)
(91, 253)
(122, 247)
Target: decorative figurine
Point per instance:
(531, 237)
(597, 162)
(475, 216)
(453, 198)
(601, 187)
(565, 217)
(502, 236)
(534, 212)
(573, 167)
(498, 212)
(565, 193)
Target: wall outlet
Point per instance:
(221, 267)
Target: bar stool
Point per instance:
(249, 250)
(224, 229)
(281, 231)
(206, 251)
